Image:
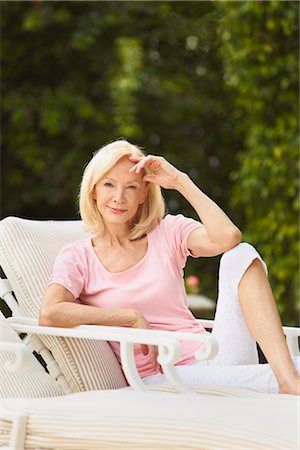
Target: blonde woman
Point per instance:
(130, 273)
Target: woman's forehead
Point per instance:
(121, 170)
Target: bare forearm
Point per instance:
(69, 314)
(216, 222)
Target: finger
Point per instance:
(140, 165)
(132, 169)
(160, 369)
(136, 158)
(152, 355)
(149, 178)
(157, 367)
(143, 163)
(145, 349)
(137, 167)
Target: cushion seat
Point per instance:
(126, 419)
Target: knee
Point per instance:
(241, 254)
(235, 254)
(239, 258)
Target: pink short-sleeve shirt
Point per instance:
(154, 286)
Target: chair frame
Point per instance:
(168, 344)
(166, 341)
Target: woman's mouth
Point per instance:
(117, 210)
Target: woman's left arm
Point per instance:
(219, 233)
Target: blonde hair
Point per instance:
(149, 213)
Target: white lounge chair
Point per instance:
(86, 402)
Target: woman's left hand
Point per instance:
(161, 171)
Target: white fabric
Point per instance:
(236, 345)
(123, 419)
(30, 382)
(236, 363)
(258, 377)
(28, 249)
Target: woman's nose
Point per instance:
(119, 196)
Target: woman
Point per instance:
(130, 273)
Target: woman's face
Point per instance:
(119, 193)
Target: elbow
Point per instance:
(233, 238)
(236, 236)
(47, 317)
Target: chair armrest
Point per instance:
(292, 335)
(206, 323)
(292, 339)
(6, 294)
(22, 355)
(168, 344)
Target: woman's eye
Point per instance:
(132, 187)
(107, 184)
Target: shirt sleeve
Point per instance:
(177, 230)
(68, 270)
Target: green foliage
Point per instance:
(261, 51)
(125, 84)
(76, 75)
(79, 74)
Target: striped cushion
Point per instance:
(28, 249)
(30, 382)
(137, 420)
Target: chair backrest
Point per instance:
(31, 382)
(28, 249)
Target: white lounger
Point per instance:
(86, 403)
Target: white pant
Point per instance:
(236, 363)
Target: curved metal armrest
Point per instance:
(168, 344)
(292, 335)
(292, 339)
(21, 353)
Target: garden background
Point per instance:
(211, 85)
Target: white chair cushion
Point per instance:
(33, 381)
(28, 249)
(125, 419)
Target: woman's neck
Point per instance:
(113, 237)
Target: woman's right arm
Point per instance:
(59, 309)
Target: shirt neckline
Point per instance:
(123, 272)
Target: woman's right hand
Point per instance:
(162, 172)
(150, 350)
